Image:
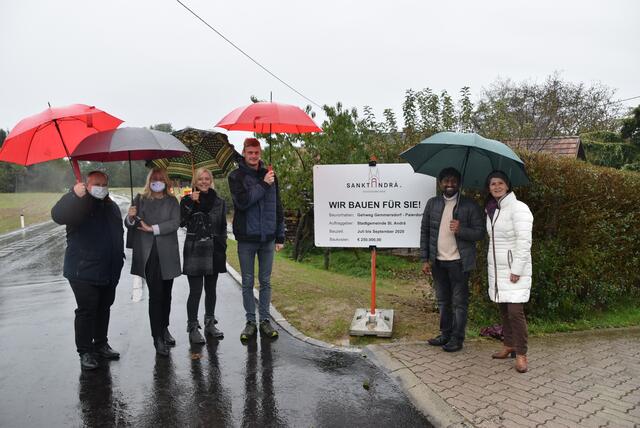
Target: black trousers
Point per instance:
(159, 294)
(92, 314)
(452, 293)
(195, 292)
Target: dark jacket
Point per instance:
(471, 230)
(95, 243)
(216, 230)
(258, 213)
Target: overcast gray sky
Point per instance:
(151, 61)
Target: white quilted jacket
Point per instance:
(510, 251)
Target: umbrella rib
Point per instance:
(38, 128)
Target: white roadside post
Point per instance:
(22, 221)
(375, 206)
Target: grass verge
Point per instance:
(321, 303)
(36, 208)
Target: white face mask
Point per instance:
(99, 192)
(157, 186)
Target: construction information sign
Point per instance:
(359, 205)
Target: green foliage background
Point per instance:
(586, 240)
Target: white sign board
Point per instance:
(358, 205)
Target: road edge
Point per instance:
(279, 319)
(433, 407)
(430, 404)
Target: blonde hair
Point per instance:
(146, 192)
(197, 175)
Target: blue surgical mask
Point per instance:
(157, 186)
(99, 192)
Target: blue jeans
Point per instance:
(247, 252)
(452, 293)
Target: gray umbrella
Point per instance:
(129, 144)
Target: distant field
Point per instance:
(36, 208)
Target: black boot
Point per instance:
(88, 361)
(168, 339)
(453, 345)
(105, 351)
(161, 347)
(210, 327)
(194, 334)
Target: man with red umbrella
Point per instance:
(92, 262)
(258, 225)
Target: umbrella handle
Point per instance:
(76, 170)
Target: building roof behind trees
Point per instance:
(559, 146)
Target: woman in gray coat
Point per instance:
(154, 219)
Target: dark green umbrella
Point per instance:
(209, 149)
(471, 154)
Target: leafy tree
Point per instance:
(390, 122)
(409, 112)
(465, 110)
(164, 127)
(430, 111)
(447, 112)
(10, 174)
(631, 126)
(509, 110)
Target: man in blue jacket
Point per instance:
(258, 226)
(92, 262)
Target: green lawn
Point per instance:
(36, 208)
(321, 303)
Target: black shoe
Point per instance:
(438, 341)
(250, 330)
(161, 347)
(210, 328)
(168, 339)
(194, 334)
(267, 330)
(106, 352)
(454, 345)
(88, 361)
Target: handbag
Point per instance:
(198, 257)
(199, 246)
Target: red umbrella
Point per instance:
(54, 134)
(267, 118)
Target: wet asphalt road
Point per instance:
(281, 383)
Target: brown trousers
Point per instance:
(514, 326)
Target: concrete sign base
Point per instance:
(365, 324)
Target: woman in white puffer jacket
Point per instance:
(509, 224)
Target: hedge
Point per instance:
(586, 239)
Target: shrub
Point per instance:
(601, 137)
(614, 155)
(586, 239)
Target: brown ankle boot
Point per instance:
(506, 352)
(521, 363)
